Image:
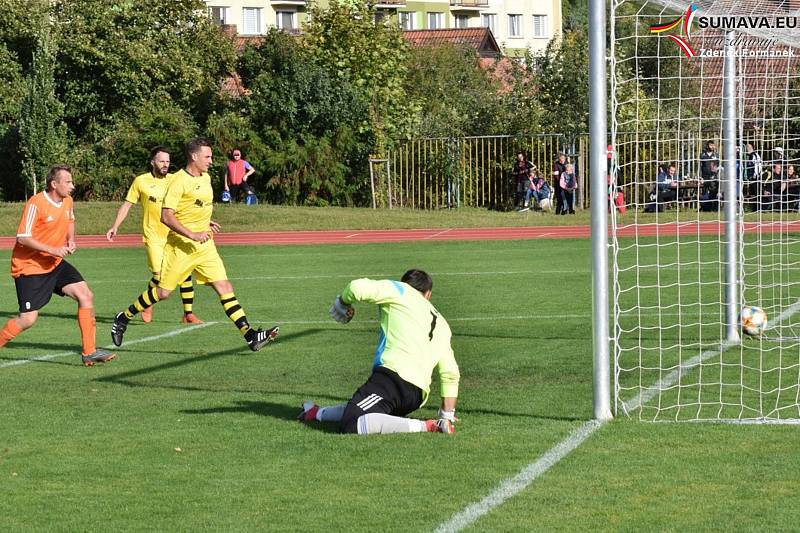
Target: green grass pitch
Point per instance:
(194, 432)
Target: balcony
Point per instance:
(288, 2)
(468, 5)
(389, 4)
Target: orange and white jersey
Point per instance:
(47, 222)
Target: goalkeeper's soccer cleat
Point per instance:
(118, 328)
(258, 338)
(147, 315)
(190, 318)
(309, 413)
(98, 356)
(440, 426)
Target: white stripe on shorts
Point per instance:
(369, 402)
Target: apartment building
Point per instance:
(517, 25)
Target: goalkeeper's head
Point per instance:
(420, 280)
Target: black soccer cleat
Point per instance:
(258, 338)
(118, 328)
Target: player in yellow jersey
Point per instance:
(187, 210)
(414, 341)
(148, 189)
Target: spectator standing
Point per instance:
(709, 198)
(237, 170)
(708, 156)
(559, 167)
(568, 184)
(793, 182)
(520, 172)
(752, 173)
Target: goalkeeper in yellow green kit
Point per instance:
(414, 340)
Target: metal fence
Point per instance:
(476, 171)
(470, 171)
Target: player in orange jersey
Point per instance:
(45, 236)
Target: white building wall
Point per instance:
(536, 21)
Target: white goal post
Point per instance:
(704, 130)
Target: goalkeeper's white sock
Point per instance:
(332, 413)
(374, 423)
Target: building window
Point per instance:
(515, 25)
(407, 19)
(462, 21)
(381, 16)
(284, 20)
(218, 15)
(489, 20)
(540, 26)
(251, 20)
(435, 21)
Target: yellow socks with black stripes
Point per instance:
(235, 312)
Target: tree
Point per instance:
(562, 74)
(370, 56)
(112, 55)
(308, 122)
(43, 134)
(456, 96)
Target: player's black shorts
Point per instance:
(33, 292)
(384, 392)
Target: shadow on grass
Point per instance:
(274, 410)
(535, 416)
(44, 315)
(123, 377)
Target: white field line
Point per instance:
(530, 473)
(48, 357)
(516, 484)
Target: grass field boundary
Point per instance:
(49, 357)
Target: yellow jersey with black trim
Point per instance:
(191, 197)
(149, 191)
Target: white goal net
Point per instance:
(673, 359)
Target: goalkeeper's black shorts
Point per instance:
(384, 392)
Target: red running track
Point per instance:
(440, 234)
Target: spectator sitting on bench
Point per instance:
(666, 188)
(538, 189)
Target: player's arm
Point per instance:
(249, 170)
(71, 246)
(372, 291)
(449, 378)
(225, 178)
(122, 213)
(33, 244)
(169, 219)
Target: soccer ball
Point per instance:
(753, 320)
(545, 204)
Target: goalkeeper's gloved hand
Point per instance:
(448, 415)
(341, 312)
